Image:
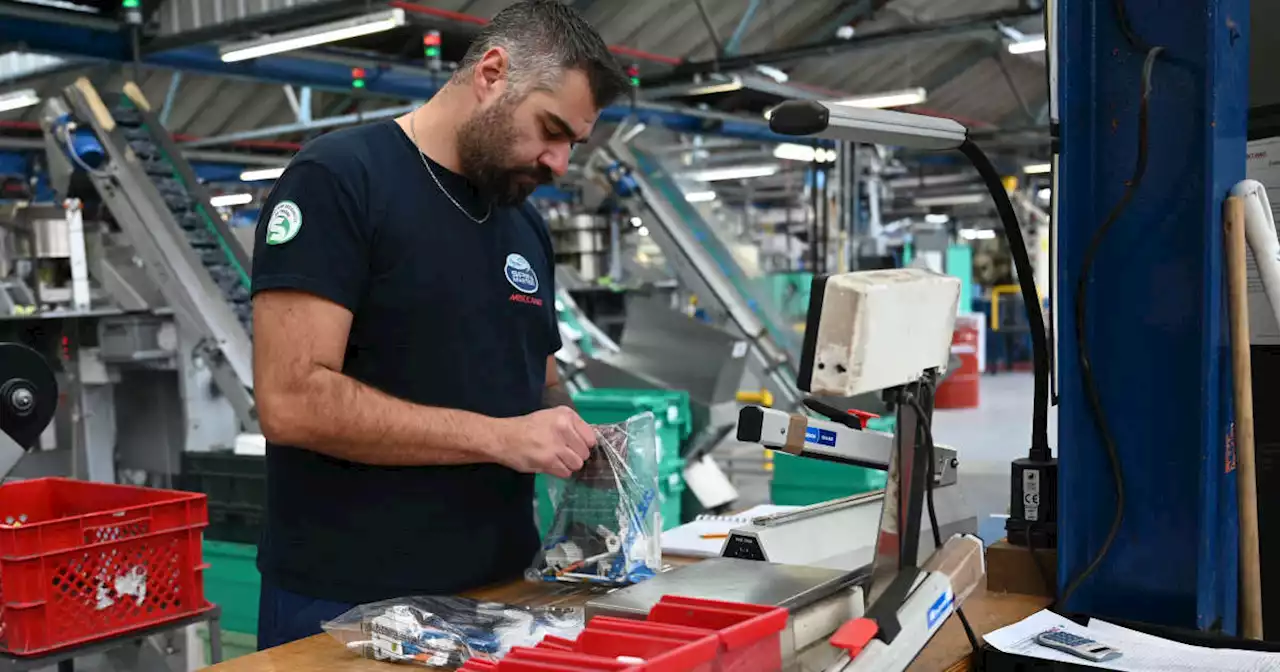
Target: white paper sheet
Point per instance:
(1139, 652)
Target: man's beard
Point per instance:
(484, 145)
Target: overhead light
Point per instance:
(954, 199)
(1037, 168)
(633, 132)
(311, 36)
(261, 174)
(734, 83)
(978, 234)
(21, 98)
(700, 196)
(937, 218)
(1030, 45)
(913, 96)
(228, 200)
(1045, 194)
(773, 73)
(790, 151)
(736, 173)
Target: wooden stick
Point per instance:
(1242, 375)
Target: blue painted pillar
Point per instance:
(1156, 324)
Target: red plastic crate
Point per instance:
(92, 561)
(681, 634)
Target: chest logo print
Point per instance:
(284, 224)
(520, 274)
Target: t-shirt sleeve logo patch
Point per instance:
(284, 223)
(520, 274)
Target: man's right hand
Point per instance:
(554, 441)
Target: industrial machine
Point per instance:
(28, 397)
(181, 243)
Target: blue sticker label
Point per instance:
(822, 437)
(939, 609)
(520, 274)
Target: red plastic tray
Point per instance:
(82, 562)
(681, 634)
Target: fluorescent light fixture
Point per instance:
(700, 196)
(773, 73)
(978, 234)
(790, 151)
(1037, 168)
(734, 83)
(261, 174)
(633, 132)
(937, 218)
(735, 173)
(19, 99)
(1030, 45)
(1045, 194)
(311, 36)
(954, 199)
(913, 96)
(227, 200)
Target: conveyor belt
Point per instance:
(704, 264)
(185, 247)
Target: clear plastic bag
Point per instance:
(447, 631)
(608, 519)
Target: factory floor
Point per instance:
(987, 439)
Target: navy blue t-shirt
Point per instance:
(448, 313)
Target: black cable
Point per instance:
(1030, 298)
(1049, 584)
(925, 429)
(1081, 313)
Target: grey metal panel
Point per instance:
(177, 16)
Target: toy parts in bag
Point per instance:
(608, 520)
(447, 631)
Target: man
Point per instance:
(404, 327)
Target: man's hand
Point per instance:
(554, 441)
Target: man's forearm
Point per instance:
(556, 395)
(339, 416)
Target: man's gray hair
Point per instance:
(544, 39)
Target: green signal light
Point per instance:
(130, 4)
(635, 81)
(433, 52)
(358, 84)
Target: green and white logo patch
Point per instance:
(284, 224)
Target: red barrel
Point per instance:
(960, 389)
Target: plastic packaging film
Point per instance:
(447, 631)
(607, 524)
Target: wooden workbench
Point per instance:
(948, 651)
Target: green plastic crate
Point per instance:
(673, 419)
(801, 481)
(673, 423)
(232, 581)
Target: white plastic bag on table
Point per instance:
(607, 523)
(447, 631)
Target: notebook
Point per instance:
(687, 540)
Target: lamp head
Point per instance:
(866, 125)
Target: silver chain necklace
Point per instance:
(413, 135)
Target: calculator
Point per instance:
(1077, 646)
